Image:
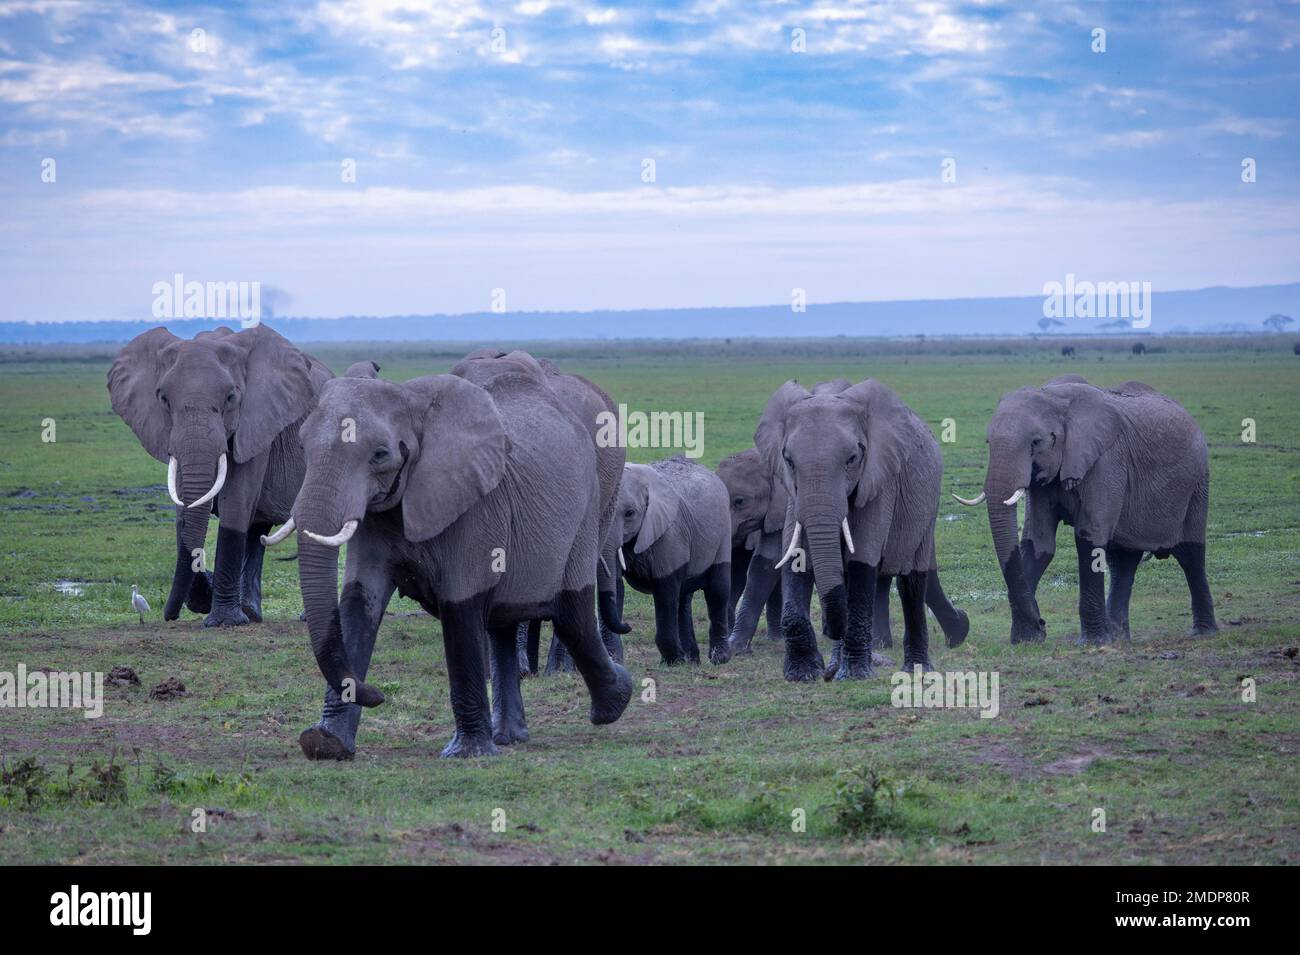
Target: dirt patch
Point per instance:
(169, 689)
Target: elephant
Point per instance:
(758, 503)
(858, 465)
(673, 535)
(588, 402)
(480, 502)
(1126, 467)
(222, 410)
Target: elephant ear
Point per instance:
(463, 452)
(769, 436)
(362, 369)
(774, 519)
(133, 387)
(278, 389)
(885, 421)
(662, 508)
(1092, 426)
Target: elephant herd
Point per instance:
(488, 496)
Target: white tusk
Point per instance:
(794, 545)
(1014, 499)
(272, 539)
(216, 488)
(339, 539)
(171, 481)
(622, 561)
(971, 503)
(848, 537)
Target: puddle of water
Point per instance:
(70, 588)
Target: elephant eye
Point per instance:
(230, 398)
(1037, 442)
(380, 455)
(738, 502)
(163, 399)
(630, 512)
(786, 456)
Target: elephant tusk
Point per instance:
(973, 502)
(270, 540)
(622, 561)
(794, 545)
(216, 488)
(337, 540)
(171, 481)
(848, 537)
(1014, 499)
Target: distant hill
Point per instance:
(1203, 311)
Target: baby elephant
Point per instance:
(674, 531)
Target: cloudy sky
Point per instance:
(506, 145)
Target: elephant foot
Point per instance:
(199, 599)
(1119, 631)
(525, 668)
(1028, 633)
(911, 662)
(719, 651)
(319, 743)
(1203, 628)
(613, 644)
(465, 746)
(510, 732)
(252, 611)
(740, 647)
(559, 659)
(230, 616)
(957, 636)
(854, 663)
(609, 701)
(1094, 636)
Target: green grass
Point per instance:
(1155, 733)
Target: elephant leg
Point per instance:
(916, 632)
(534, 644)
(183, 577)
(881, 636)
(226, 610)
(464, 638)
(250, 586)
(1123, 565)
(803, 661)
(508, 723)
(686, 627)
(557, 658)
(761, 582)
(1191, 558)
(954, 623)
(1092, 593)
(361, 610)
(855, 657)
(717, 598)
(740, 561)
(608, 683)
(1034, 563)
(667, 594)
(774, 609)
(521, 647)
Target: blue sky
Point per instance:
(517, 163)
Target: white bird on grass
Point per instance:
(138, 603)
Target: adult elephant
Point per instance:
(222, 410)
(860, 467)
(1126, 467)
(479, 502)
(588, 402)
(758, 504)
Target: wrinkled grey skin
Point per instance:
(1127, 468)
(758, 503)
(587, 401)
(480, 503)
(238, 393)
(674, 530)
(855, 452)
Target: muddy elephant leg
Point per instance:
(774, 609)
(916, 631)
(686, 626)
(1092, 593)
(361, 610)
(803, 661)
(954, 623)
(1034, 563)
(608, 683)
(613, 641)
(1191, 558)
(881, 636)
(557, 658)
(717, 598)
(186, 590)
(508, 723)
(1123, 565)
(761, 581)
(667, 594)
(522, 633)
(855, 657)
(226, 579)
(464, 637)
(250, 585)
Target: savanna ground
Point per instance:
(1156, 733)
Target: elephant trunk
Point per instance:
(822, 521)
(607, 575)
(1003, 480)
(191, 530)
